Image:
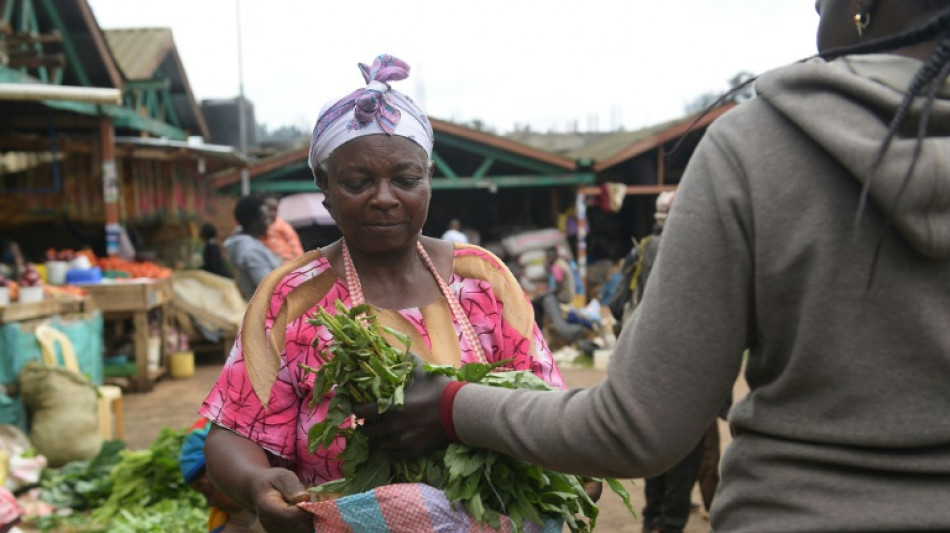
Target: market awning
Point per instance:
(217, 151)
(38, 92)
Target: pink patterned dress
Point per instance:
(263, 395)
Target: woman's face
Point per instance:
(378, 190)
(836, 25)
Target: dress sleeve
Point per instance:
(233, 403)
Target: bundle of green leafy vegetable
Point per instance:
(82, 484)
(125, 491)
(362, 367)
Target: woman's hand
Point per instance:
(276, 495)
(416, 429)
(242, 470)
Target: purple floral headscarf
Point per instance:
(372, 110)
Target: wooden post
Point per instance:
(660, 166)
(110, 184)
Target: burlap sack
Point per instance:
(64, 424)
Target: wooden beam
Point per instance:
(499, 154)
(42, 144)
(35, 61)
(443, 166)
(40, 123)
(171, 115)
(660, 166)
(68, 46)
(483, 168)
(159, 84)
(492, 183)
(29, 38)
(148, 153)
(230, 176)
(632, 190)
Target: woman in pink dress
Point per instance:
(371, 156)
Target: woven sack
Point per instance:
(405, 508)
(64, 424)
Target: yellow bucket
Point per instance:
(183, 364)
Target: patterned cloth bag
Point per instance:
(405, 508)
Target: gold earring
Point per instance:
(861, 22)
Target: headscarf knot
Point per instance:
(374, 103)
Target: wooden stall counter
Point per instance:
(20, 312)
(120, 300)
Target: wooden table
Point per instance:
(17, 312)
(121, 300)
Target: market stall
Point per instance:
(134, 300)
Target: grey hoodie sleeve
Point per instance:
(674, 364)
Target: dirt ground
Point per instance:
(175, 402)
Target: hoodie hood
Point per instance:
(846, 106)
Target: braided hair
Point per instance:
(926, 83)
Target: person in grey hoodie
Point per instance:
(251, 259)
(813, 228)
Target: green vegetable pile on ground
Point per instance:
(125, 491)
(363, 367)
(82, 484)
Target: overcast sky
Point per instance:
(603, 64)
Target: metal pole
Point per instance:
(580, 211)
(110, 184)
(242, 118)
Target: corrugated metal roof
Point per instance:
(610, 145)
(139, 51)
(618, 147)
(503, 143)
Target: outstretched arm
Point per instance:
(676, 358)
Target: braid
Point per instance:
(930, 77)
(719, 101)
(939, 76)
(928, 80)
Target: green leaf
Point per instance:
(337, 485)
(619, 490)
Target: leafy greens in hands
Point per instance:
(361, 367)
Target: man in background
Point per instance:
(251, 259)
(454, 233)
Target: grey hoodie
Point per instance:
(252, 261)
(847, 425)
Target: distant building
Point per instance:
(223, 124)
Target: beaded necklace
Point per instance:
(357, 298)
